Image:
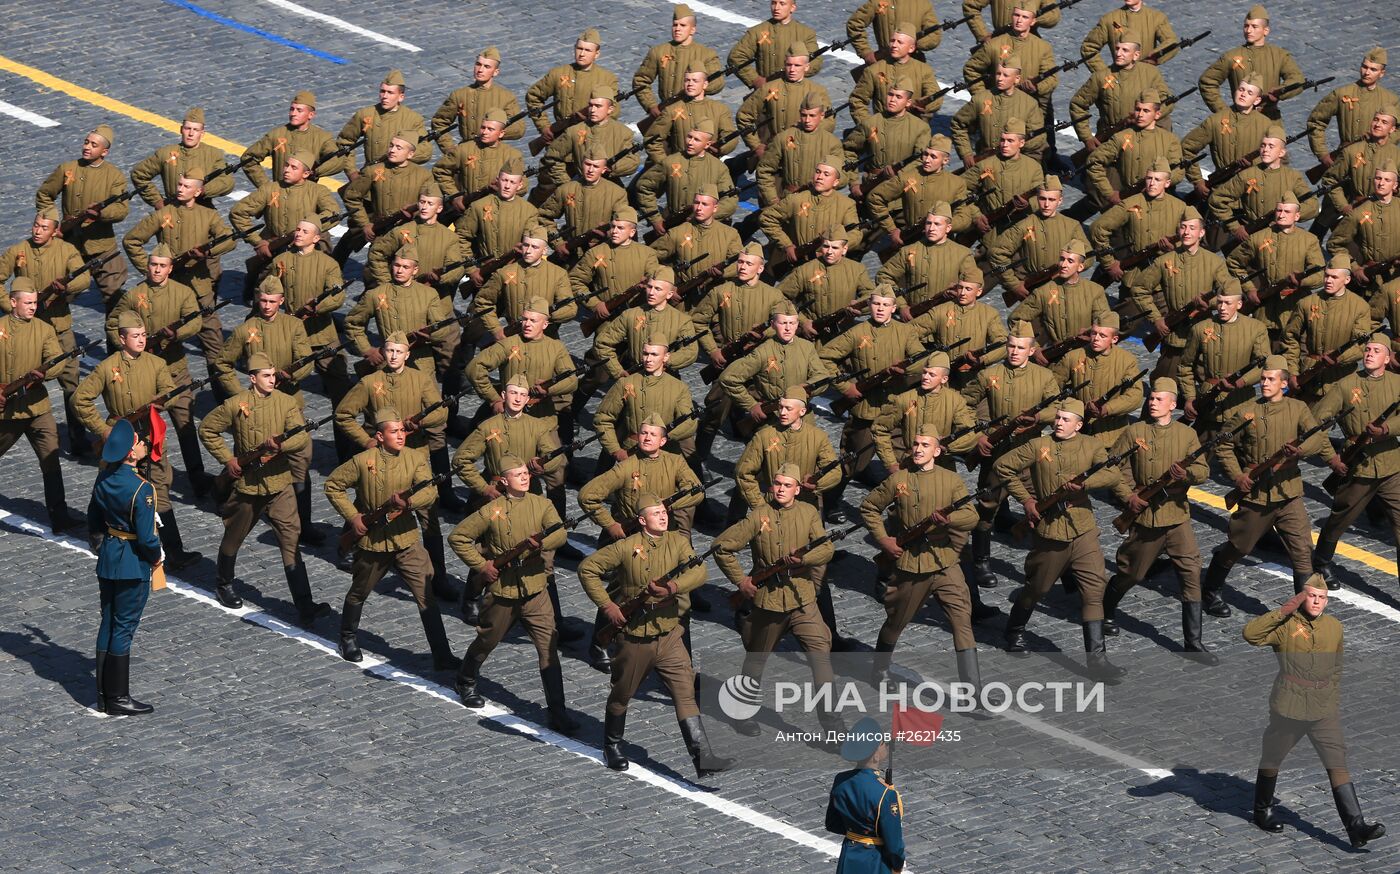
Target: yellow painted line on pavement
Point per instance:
(111, 104)
(1344, 549)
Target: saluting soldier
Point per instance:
(674, 123)
(531, 275)
(1010, 388)
(1285, 252)
(1066, 537)
(1321, 324)
(781, 361)
(991, 108)
(1103, 365)
(259, 419)
(1230, 132)
(651, 638)
(702, 244)
(189, 228)
(827, 284)
(896, 62)
(438, 246)
(467, 107)
(1148, 218)
(967, 324)
(636, 397)
(387, 475)
(798, 220)
(1114, 90)
(885, 19)
(1371, 232)
(299, 134)
(680, 175)
(599, 125)
(377, 125)
(901, 203)
(1122, 161)
(1275, 66)
(517, 589)
(1067, 305)
(775, 106)
(46, 260)
(280, 205)
(121, 516)
(128, 382)
(928, 403)
(884, 140)
(928, 266)
(1041, 238)
(1163, 522)
(1353, 105)
(618, 343)
(25, 344)
(171, 161)
(161, 302)
(767, 43)
(77, 187)
(469, 168)
(1183, 277)
(1136, 18)
(568, 87)
(1216, 348)
(1362, 397)
(1253, 193)
(404, 304)
(1271, 422)
(1304, 701)
(666, 64)
(788, 166)
(921, 494)
(780, 532)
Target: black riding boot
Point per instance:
(1100, 668)
(349, 631)
(223, 582)
(1191, 634)
(466, 684)
(1264, 803)
(439, 462)
(437, 557)
(706, 762)
(1359, 831)
(101, 689)
(1118, 586)
(177, 558)
(1016, 629)
(559, 719)
(982, 558)
(117, 672)
(308, 610)
(614, 727)
(309, 534)
(1212, 584)
(443, 659)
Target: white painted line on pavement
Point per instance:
(1356, 599)
(23, 114)
(237, 194)
(342, 24)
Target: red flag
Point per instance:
(157, 434)
(914, 726)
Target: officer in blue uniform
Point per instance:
(122, 514)
(865, 808)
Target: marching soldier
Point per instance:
(1353, 105)
(121, 515)
(702, 244)
(680, 175)
(990, 109)
(781, 532)
(404, 304)
(694, 108)
(928, 403)
(1362, 398)
(280, 205)
(1135, 18)
(568, 87)
(927, 564)
(1253, 193)
(1066, 537)
(1020, 40)
(768, 42)
(386, 186)
(1272, 422)
(586, 203)
(299, 134)
(542, 359)
(788, 166)
(259, 419)
(857, 808)
(1349, 177)
(1103, 365)
(1304, 701)
(375, 126)
(1011, 389)
(1274, 65)
(1067, 305)
(1161, 522)
(492, 225)
(827, 284)
(881, 141)
(1368, 232)
(650, 639)
(618, 343)
(509, 433)
(797, 221)
(47, 260)
(1215, 349)
(930, 265)
(1006, 177)
(162, 303)
(517, 588)
(1230, 132)
(26, 343)
(170, 163)
(1324, 329)
(532, 275)
(1122, 161)
(896, 62)
(636, 397)
(780, 362)
(190, 229)
(387, 478)
(468, 106)
(129, 380)
(616, 265)
(1114, 90)
(666, 64)
(968, 324)
(79, 188)
(775, 106)
(599, 125)
(791, 439)
(886, 19)
(1148, 218)
(914, 191)
(438, 246)
(1286, 253)
(469, 169)
(1040, 238)
(1003, 12)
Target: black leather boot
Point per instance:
(566, 632)
(980, 612)
(1322, 556)
(190, 453)
(177, 558)
(1191, 634)
(982, 558)
(1264, 803)
(558, 497)
(309, 534)
(968, 670)
(466, 684)
(552, 679)
(1118, 586)
(880, 664)
(443, 659)
(1359, 831)
(706, 762)
(1100, 668)
(223, 583)
(470, 603)
(614, 727)
(101, 689)
(439, 462)
(1016, 629)
(349, 631)
(61, 519)
(827, 609)
(441, 583)
(1211, 585)
(117, 672)
(308, 610)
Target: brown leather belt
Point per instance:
(120, 534)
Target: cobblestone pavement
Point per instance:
(269, 752)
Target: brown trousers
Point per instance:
(1142, 546)
(161, 475)
(1048, 560)
(498, 615)
(1282, 734)
(1289, 518)
(242, 511)
(1352, 498)
(763, 629)
(369, 568)
(667, 655)
(42, 434)
(907, 592)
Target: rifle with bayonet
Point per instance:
(259, 456)
(1285, 455)
(1206, 402)
(1003, 427)
(1355, 447)
(1147, 493)
(760, 576)
(878, 380)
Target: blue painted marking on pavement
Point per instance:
(248, 28)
